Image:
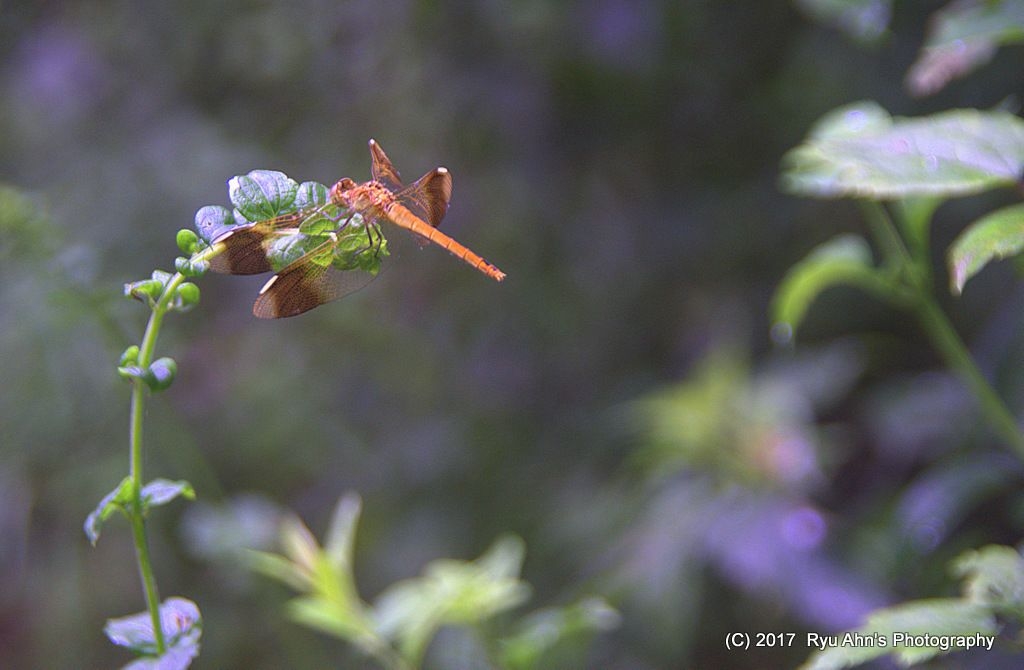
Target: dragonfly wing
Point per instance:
(245, 247)
(307, 283)
(243, 252)
(382, 169)
(428, 198)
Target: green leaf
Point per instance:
(113, 501)
(279, 568)
(948, 622)
(284, 249)
(332, 618)
(144, 290)
(181, 625)
(340, 539)
(163, 491)
(262, 194)
(689, 424)
(213, 221)
(860, 151)
(994, 576)
(311, 194)
(962, 37)
(353, 251)
(299, 545)
(845, 259)
(541, 631)
(863, 20)
(451, 592)
(994, 236)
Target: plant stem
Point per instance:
(955, 353)
(138, 521)
(888, 238)
(935, 323)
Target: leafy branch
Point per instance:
(860, 151)
(396, 631)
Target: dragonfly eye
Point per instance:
(340, 187)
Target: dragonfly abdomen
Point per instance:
(402, 217)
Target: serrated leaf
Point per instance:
(964, 36)
(163, 491)
(994, 576)
(181, 625)
(845, 259)
(860, 151)
(992, 237)
(262, 194)
(934, 618)
(863, 20)
(113, 501)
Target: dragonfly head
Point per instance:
(340, 192)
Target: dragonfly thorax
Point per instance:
(370, 199)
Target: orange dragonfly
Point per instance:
(314, 278)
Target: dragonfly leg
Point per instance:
(373, 242)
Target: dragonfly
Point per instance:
(315, 278)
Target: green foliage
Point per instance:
(398, 628)
(212, 221)
(939, 620)
(157, 492)
(996, 235)
(461, 593)
(863, 20)
(739, 424)
(182, 627)
(994, 577)
(962, 37)
(860, 151)
(188, 241)
(116, 500)
(166, 635)
(157, 377)
(262, 194)
(540, 632)
(993, 587)
(162, 491)
(845, 259)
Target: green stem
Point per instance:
(137, 515)
(138, 410)
(886, 235)
(935, 323)
(955, 353)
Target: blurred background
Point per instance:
(617, 402)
